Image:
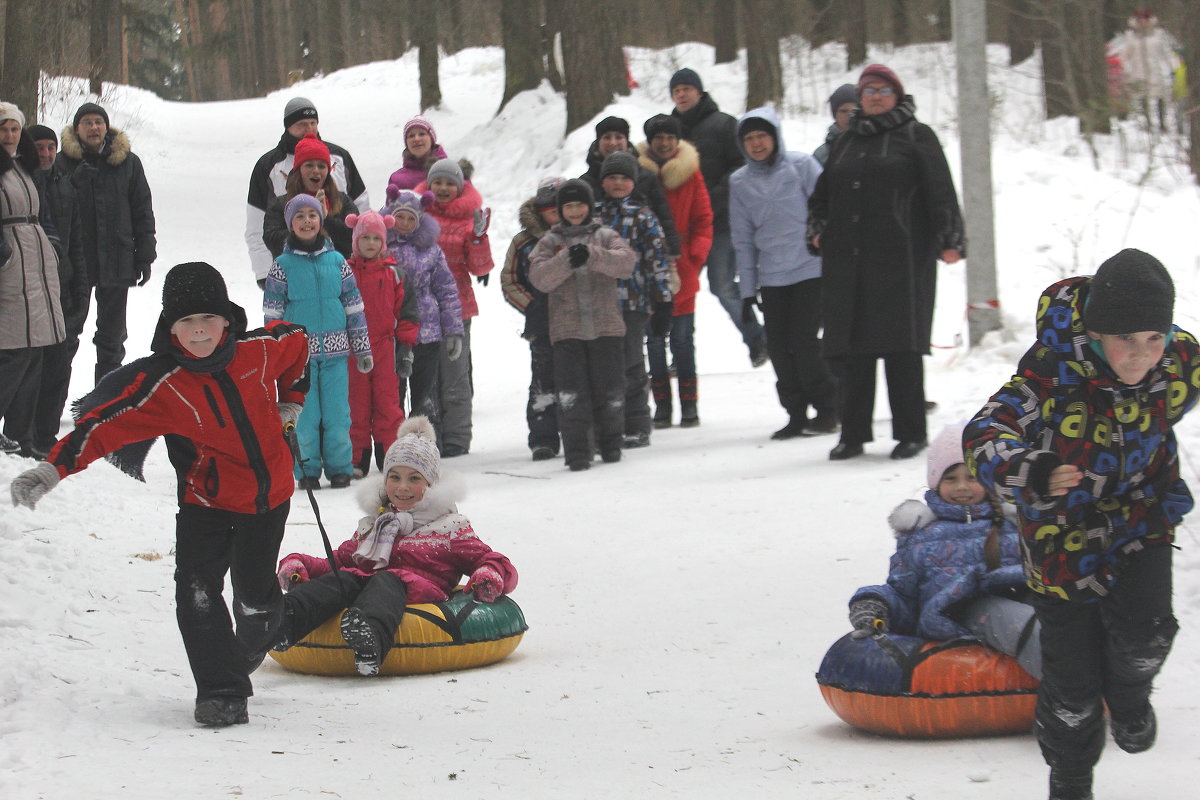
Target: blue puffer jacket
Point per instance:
(318, 290)
(939, 562)
(768, 214)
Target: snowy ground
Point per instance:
(679, 603)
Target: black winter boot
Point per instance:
(662, 403)
(1070, 787)
(1136, 736)
(221, 712)
(362, 464)
(380, 452)
(689, 396)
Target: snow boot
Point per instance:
(380, 452)
(1070, 787)
(1138, 735)
(363, 640)
(221, 712)
(662, 403)
(362, 464)
(688, 397)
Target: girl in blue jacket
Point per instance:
(310, 284)
(957, 568)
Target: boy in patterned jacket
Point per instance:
(646, 295)
(220, 396)
(1082, 440)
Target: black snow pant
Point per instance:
(637, 380)
(541, 411)
(1106, 652)
(380, 597)
(905, 373)
(111, 328)
(20, 375)
(590, 379)
(792, 319)
(52, 392)
(210, 542)
(423, 384)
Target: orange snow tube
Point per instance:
(459, 633)
(904, 686)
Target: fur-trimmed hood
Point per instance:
(462, 207)
(913, 515)
(116, 146)
(531, 221)
(425, 236)
(675, 172)
(440, 499)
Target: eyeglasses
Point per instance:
(871, 91)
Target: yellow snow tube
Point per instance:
(459, 633)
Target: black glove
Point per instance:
(660, 320)
(868, 616)
(482, 280)
(748, 310)
(578, 254)
(143, 274)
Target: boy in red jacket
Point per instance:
(220, 396)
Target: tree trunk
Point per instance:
(1021, 30)
(856, 32)
(725, 31)
(425, 36)
(900, 30)
(22, 49)
(1085, 48)
(593, 61)
(1055, 83)
(98, 18)
(521, 32)
(764, 70)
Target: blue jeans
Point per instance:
(722, 282)
(683, 349)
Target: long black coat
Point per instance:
(72, 269)
(885, 208)
(116, 211)
(714, 133)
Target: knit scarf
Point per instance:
(375, 550)
(869, 125)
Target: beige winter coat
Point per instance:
(30, 310)
(583, 300)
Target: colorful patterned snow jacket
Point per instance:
(428, 277)
(688, 198)
(218, 415)
(638, 226)
(940, 562)
(1065, 406)
(434, 545)
(465, 254)
(317, 290)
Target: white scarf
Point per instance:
(375, 550)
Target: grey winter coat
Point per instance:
(583, 300)
(116, 211)
(768, 214)
(30, 308)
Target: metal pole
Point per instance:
(974, 124)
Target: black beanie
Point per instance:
(609, 124)
(751, 124)
(662, 123)
(298, 108)
(688, 77)
(40, 133)
(846, 93)
(574, 191)
(621, 162)
(194, 288)
(90, 108)
(1131, 292)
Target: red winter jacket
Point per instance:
(222, 427)
(383, 293)
(692, 211)
(465, 254)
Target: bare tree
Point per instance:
(764, 70)
(856, 32)
(521, 32)
(593, 60)
(425, 37)
(725, 31)
(21, 50)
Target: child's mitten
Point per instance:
(578, 254)
(404, 361)
(29, 487)
(291, 571)
(486, 584)
(482, 218)
(289, 413)
(366, 362)
(454, 346)
(660, 320)
(868, 615)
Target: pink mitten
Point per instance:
(486, 584)
(291, 571)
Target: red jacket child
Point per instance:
(464, 224)
(392, 324)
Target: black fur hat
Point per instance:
(1131, 292)
(194, 288)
